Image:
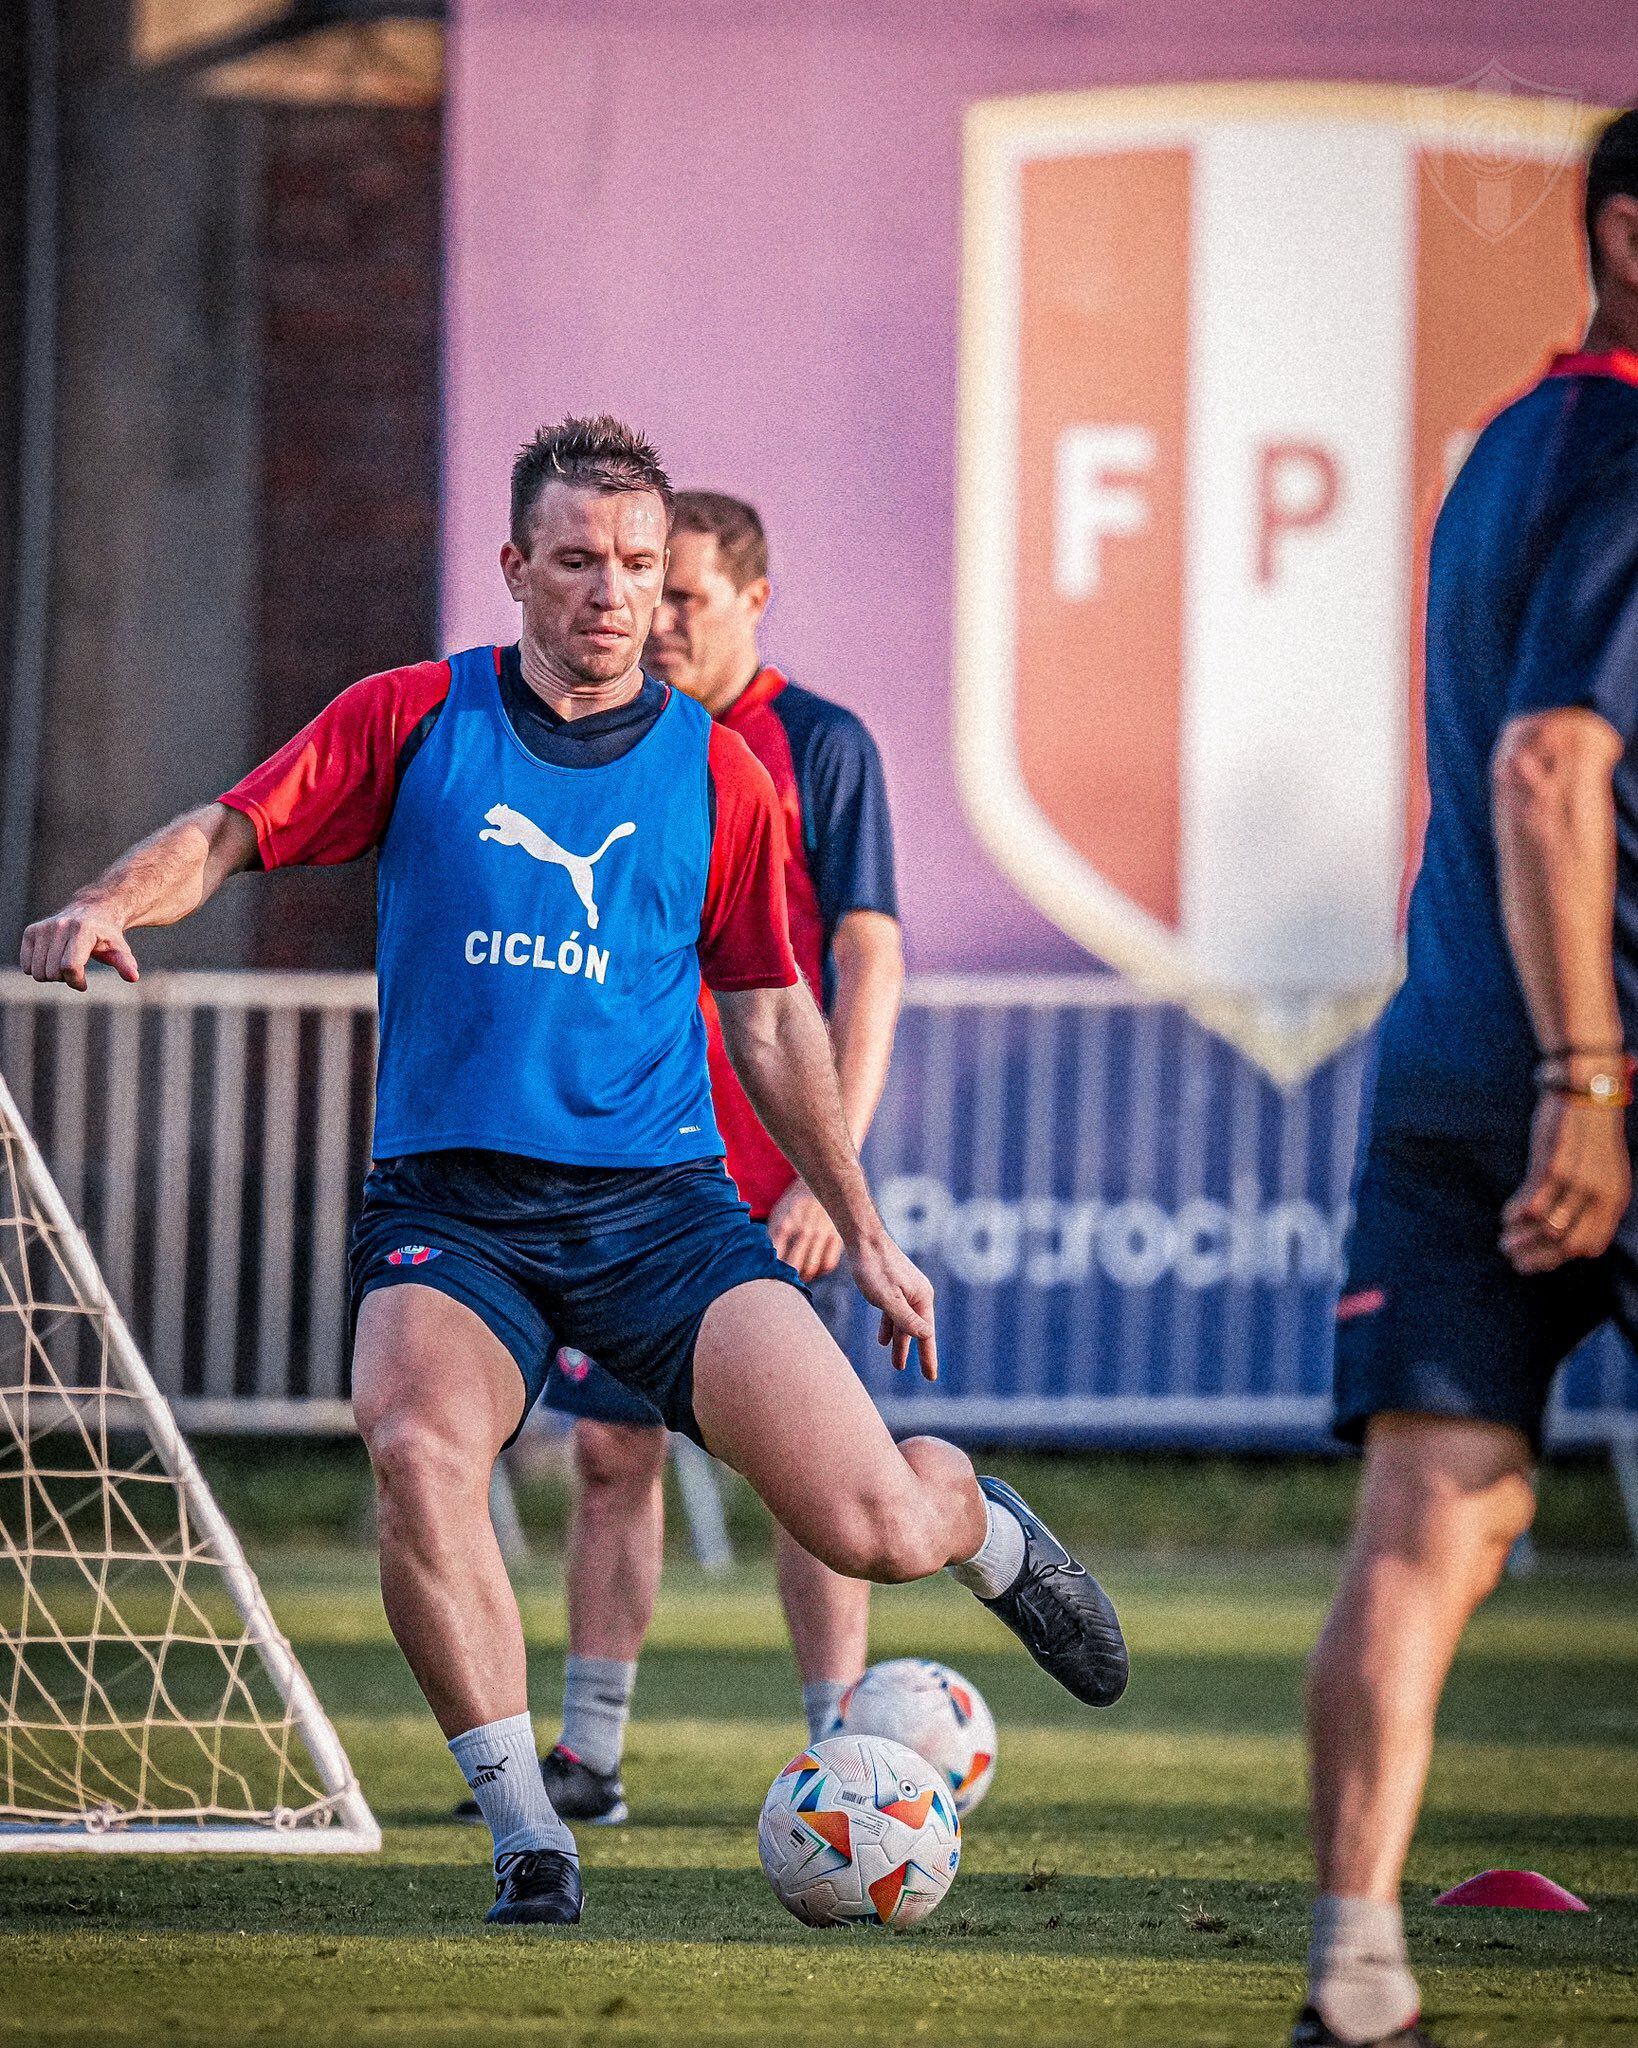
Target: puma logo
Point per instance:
(512, 828)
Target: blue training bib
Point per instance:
(536, 946)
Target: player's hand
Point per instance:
(904, 1294)
(60, 948)
(1577, 1188)
(803, 1235)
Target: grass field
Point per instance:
(1133, 1877)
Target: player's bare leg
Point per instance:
(776, 1399)
(616, 1538)
(615, 1553)
(1441, 1505)
(829, 1620)
(436, 1395)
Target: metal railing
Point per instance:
(1135, 1235)
(212, 1131)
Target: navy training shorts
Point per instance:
(1432, 1319)
(579, 1386)
(618, 1263)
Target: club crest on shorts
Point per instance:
(412, 1255)
(574, 1365)
(1223, 348)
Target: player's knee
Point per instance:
(1449, 1507)
(935, 1462)
(616, 1457)
(1508, 1514)
(885, 1540)
(420, 1457)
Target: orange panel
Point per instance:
(1489, 312)
(1104, 342)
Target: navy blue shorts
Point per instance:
(1433, 1320)
(618, 1263)
(579, 1386)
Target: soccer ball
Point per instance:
(859, 1830)
(932, 1710)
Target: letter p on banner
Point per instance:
(1217, 342)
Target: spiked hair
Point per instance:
(601, 454)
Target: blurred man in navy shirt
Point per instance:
(1494, 1225)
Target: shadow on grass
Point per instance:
(1172, 1692)
(1152, 1918)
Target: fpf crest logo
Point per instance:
(1223, 349)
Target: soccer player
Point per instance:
(564, 846)
(1493, 1227)
(844, 930)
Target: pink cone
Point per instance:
(1526, 1889)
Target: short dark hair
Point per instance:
(601, 454)
(736, 527)
(1612, 168)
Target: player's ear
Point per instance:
(513, 562)
(755, 596)
(1617, 237)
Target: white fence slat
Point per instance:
(68, 1085)
(276, 1285)
(170, 1249)
(327, 1296)
(227, 1179)
(117, 1241)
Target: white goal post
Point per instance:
(148, 1700)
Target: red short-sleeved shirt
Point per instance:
(327, 796)
(838, 858)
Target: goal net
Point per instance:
(147, 1698)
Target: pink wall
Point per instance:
(738, 225)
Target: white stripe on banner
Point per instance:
(1295, 628)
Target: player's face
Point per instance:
(591, 579)
(704, 632)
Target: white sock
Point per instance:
(498, 1761)
(596, 1702)
(1359, 1979)
(821, 1702)
(998, 1559)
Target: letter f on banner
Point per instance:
(1097, 495)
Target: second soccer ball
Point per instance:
(932, 1710)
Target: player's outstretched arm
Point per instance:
(159, 881)
(1554, 819)
(781, 1051)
